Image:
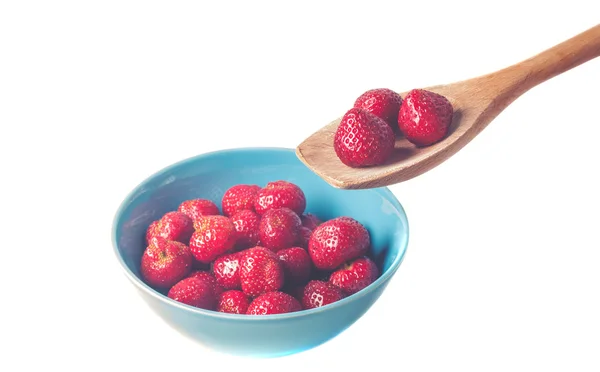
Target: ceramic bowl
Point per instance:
(209, 176)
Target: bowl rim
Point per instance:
(141, 285)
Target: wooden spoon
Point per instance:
(476, 103)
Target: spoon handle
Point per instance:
(564, 56)
(515, 80)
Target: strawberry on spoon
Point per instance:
(476, 102)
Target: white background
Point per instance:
(503, 266)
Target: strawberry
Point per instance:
(165, 262)
(194, 291)
(214, 236)
(318, 293)
(279, 228)
(260, 271)
(336, 241)
(233, 302)
(205, 275)
(355, 275)
(310, 221)
(239, 197)
(304, 237)
(362, 139)
(273, 303)
(280, 194)
(296, 265)
(198, 207)
(425, 117)
(383, 103)
(226, 270)
(246, 226)
(172, 226)
(150, 232)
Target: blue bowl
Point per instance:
(209, 176)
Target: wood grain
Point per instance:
(476, 103)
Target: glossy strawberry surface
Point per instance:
(383, 103)
(165, 262)
(425, 117)
(195, 208)
(233, 302)
(280, 194)
(355, 275)
(261, 271)
(194, 291)
(213, 236)
(337, 241)
(362, 139)
(239, 197)
(273, 303)
(319, 293)
(279, 229)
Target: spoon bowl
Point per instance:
(476, 103)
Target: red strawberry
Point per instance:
(173, 226)
(233, 302)
(310, 221)
(318, 293)
(383, 103)
(194, 291)
(239, 197)
(355, 276)
(425, 117)
(280, 194)
(206, 276)
(279, 229)
(304, 237)
(296, 265)
(260, 271)
(150, 232)
(273, 303)
(362, 139)
(337, 241)
(226, 270)
(214, 236)
(246, 225)
(165, 262)
(198, 207)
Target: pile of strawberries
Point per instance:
(263, 255)
(367, 132)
